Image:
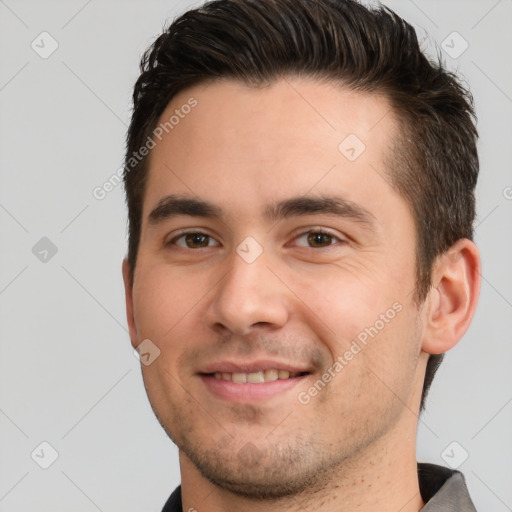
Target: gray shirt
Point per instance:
(442, 490)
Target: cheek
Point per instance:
(167, 307)
(344, 301)
(375, 372)
(388, 359)
(369, 324)
(163, 298)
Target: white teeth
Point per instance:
(271, 375)
(255, 377)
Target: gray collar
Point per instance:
(443, 489)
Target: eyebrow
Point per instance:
(333, 205)
(172, 206)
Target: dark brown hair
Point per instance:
(434, 164)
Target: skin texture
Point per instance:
(352, 446)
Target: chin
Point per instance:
(270, 473)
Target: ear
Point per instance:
(453, 298)
(128, 292)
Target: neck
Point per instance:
(381, 478)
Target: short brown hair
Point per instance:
(435, 164)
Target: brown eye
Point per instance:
(318, 239)
(193, 240)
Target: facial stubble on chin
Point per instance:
(282, 466)
(287, 468)
(269, 471)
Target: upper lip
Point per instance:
(252, 367)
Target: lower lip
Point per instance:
(249, 392)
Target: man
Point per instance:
(300, 184)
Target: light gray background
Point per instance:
(68, 375)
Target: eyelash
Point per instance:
(304, 233)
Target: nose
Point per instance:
(249, 296)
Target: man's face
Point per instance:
(269, 283)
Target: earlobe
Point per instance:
(453, 297)
(128, 291)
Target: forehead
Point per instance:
(246, 147)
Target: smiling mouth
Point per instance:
(255, 385)
(259, 377)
